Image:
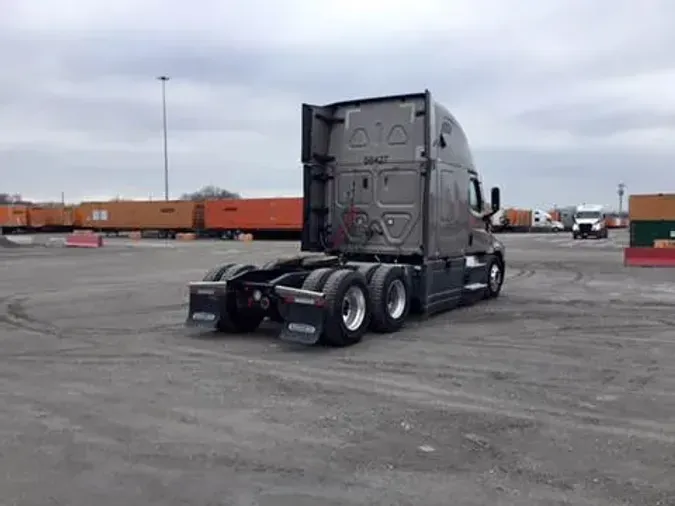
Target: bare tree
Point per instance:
(210, 192)
(11, 198)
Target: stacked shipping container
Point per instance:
(244, 215)
(652, 218)
(273, 217)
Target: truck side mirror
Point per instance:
(494, 199)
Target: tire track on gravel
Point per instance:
(407, 390)
(520, 274)
(421, 394)
(15, 315)
(428, 396)
(504, 376)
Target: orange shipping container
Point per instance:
(652, 207)
(50, 216)
(141, 215)
(555, 214)
(13, 216)
(254, 214)
(519, 217)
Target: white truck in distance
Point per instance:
(589, 221)
(542, 219)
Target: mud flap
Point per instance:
(303, 324)
(206, 303)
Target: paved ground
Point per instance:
(560, 392)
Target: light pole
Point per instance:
(621, 189)
(164, 79)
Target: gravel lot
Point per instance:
(559, 392)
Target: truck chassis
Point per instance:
(328, 300)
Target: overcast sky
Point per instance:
(561, 99)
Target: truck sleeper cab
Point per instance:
(589, 221)
(394, 222)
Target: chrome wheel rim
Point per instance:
(396, 299)
(353, 308)
(495, 277)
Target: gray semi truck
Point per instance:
(395, 222)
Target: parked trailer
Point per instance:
(51, 218)
(13, 218)
(263, 217)
(518, 220)
(393, 223)
(168, 218)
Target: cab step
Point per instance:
(472, 262)
(472, 287)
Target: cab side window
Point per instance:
(475, 196)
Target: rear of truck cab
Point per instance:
(386, 188)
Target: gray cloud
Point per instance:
(597, 119)
(561, 101)
(567, 177)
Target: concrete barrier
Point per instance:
(8, 243)
(84, 241)
(649, 257)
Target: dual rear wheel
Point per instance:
(368, 297)
(375, 297)
(371, 297)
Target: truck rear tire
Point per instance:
(368, 270)
(268, 266)
(216, 273)
(233, 320)
(317, 279)
(347, 308)
(495, 278)
(389, 295)
(313, 282)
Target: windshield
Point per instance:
(587, 215)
